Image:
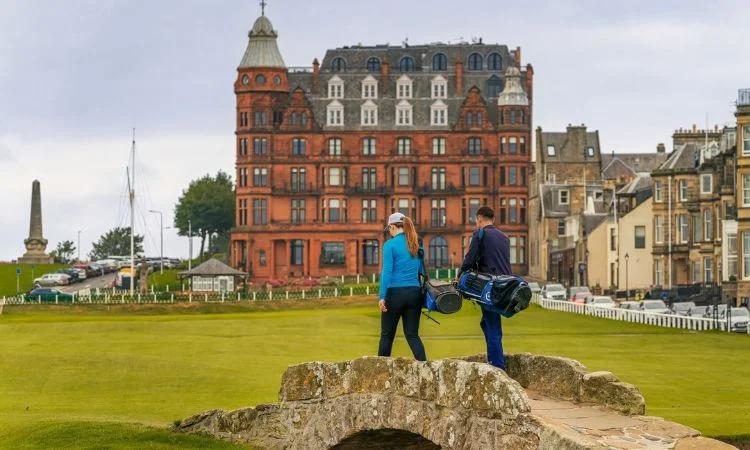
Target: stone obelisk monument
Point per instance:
(35, 244)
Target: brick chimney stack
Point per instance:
(661, 148)
(316, 71)
(460, 78)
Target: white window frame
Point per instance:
(658, 272)
(551, 151)
(680, 185)
(335, 114)
(658, 192)
(339, 172)
(745, 190)
(439, 114)
(404, 114)
(745, 255)
(404, 87)
(369, 114)
(439, 88)
(746, 140)
(731, 255)
(684, 228)
(370, 88)
(659, 229)
(551, 178)
(560, 197)
(438, 146)
(335, 87)
(707, 269)
(708, 231)
(710, 178)
(697, 272)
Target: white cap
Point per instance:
(395, 218)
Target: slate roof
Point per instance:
(212, 268)
(591, 221)
(552, 207)
(615, 166)
(565, 152)
(262, 48)
(683, 157)
(641, 182)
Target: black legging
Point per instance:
(406, 303)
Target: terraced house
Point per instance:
(326, 153)
(742, 115)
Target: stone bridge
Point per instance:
(383, 403)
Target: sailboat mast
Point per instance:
(132, 219)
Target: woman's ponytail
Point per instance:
(412, 241)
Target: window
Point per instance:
(332, 254)
(512, 116)
(475, 176)
(243, 147)
(369, 113)
(243, 119)
(439, 114)
(657, 192)
(683, 191)
(369, 211)
(298, 252)
(502, 176)
(523, 178)
(260, 211)
(293, 119)
(403, 88)
(373, 65)
(707, 266)
(439, 62)
(697, 228)
(708, 224)
(551, 150)
(494, 62)
(696, 271)
(473, 208)
(612, 239)
(563, 196)
(299, 212)
(746, 140)
(438, 178)
(746, 255)
(513, 145)
(731, 255)
(370, 88)
(334, 147)
(259, 146)
(370, 250)
(403, 146)
(640, 237)
(706, 184)
(369, 178)
(403, 206)
(260, 176)
(407, 64)
(403, 113)
(336, 176)
(522, 142)
(522, 213)
(369, 146)
(242, 211)
(338, 65)
(551, 178)
(561, 227)
(303, 119)
(334, 212)
(278, 117)
(262, 258)
(503, 145)
(438, 252)
(299, 146)
(494, 86)
(243, 177)
(513, 253)
(475, 146)
(659, 229)
(521, 250)
(335, 88)
(403, 176)
(260, 119)
(437, 213)
(590, 152)
(298, 179)
(475, 61)
(512, 176)
(746, 190)
(683, 222)
(658, 272)
(513, 211)
(335, 113)
(439, 87)
(438, 146)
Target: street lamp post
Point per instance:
(79, 245)
(161, 240)
(627, 289)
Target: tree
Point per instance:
(115, 242)
(63, 254)
(209, 204)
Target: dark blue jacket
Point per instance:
(495, 254)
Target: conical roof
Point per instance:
(513, 94)
(262, 48)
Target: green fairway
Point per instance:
(8, 276)
(102, 376)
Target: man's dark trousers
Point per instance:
(493, 335)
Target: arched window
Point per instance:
(303, 119)
(439, 62)
(338, 65)
(438, 252)
(407, 64)
(495, 62)
(494, 86)
(293, 121)
(373, 65)
(475, 61)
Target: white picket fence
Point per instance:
(661, 320)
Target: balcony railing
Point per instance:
(448, 189)
(743, 97)
(369, 190)
(290, 189)
(300, 69)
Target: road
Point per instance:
(104, 281)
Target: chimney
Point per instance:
(460, 78)
(695, 128)
(384, 72)
(661, 148)
(518, 56)
(316, 71)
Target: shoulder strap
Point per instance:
(478, 256)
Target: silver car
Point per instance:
(654, 306)
(554, 291)
(739, 320)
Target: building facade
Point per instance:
(325, 154)
(742, 115)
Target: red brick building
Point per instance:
(325, 154)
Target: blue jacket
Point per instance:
(495, 254)
(400, 268)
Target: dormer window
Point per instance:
(475, 61)
(335, 114)
(551, 150)
(590, 152)
(403, 87)
(439, 87)
(495, 62)
(373, 65)
(370, 87)
(439, 62)
(338, 65)
(439, 113)
(404, 113)
(369, 113)
(407, 64)
(336, 87)
(563, 197)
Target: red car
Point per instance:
(580, 297)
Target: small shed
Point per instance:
(213, 276)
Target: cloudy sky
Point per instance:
(77, 75)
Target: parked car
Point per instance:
(682, 308)
(73, 274)
(698, 311)
(576, 289)
(553, 291)
(580, 297)
(99, 269)
(47, 295)
(90, 271)
(739, 319)
(630, 306)
(535, 287)
(81, 273)
(52, 279)
(654, 306)
(601, 301)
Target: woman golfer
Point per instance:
(400, 291)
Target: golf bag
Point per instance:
(438, 295)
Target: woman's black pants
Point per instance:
(402, 303)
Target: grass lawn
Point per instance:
(169, 277)
(105, 377)
(8, 276)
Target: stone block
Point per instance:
(549, 375)
(604, 388)
(302, 382)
